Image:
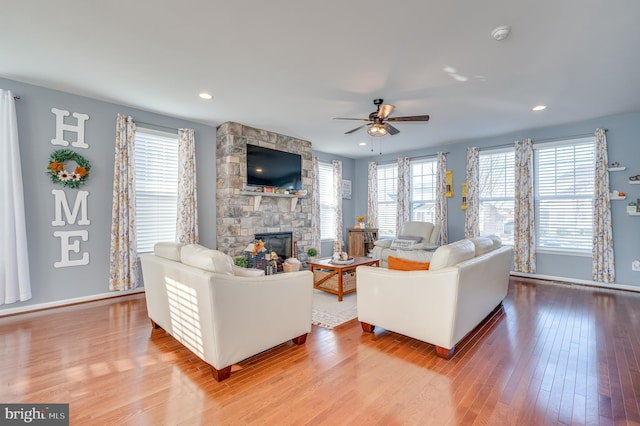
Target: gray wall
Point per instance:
(623, 146)
(348, 206)
(36, 128)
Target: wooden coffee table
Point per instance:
(335, 278)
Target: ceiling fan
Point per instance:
(377, 121)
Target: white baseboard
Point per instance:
(65, 302)
(611, 286)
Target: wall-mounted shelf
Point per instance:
(617, 169)
(616, 197)
(258, 198)
(634, 182)
(633, 213)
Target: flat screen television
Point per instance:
(270, 167)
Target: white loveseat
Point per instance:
(221, 312)
(467, 280)
(416, 241)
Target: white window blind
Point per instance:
(423, 190)
(328, 204)
(387, 199)
(156, 157)
(564, 187)
(496, 193)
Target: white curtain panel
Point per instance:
(441, 196)
(123, 267)
(472, 217)
(15, 281)
(187, 217)
(404, 193)
(603, 268)
(524, 245)
(372, 199)
(337, 190)
(315, 205)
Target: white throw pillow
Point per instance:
(168, 249)
(404, 242)
(207, 259)
(452, 254)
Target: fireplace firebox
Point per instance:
(280, 242)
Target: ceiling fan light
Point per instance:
(377, 130)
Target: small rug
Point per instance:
(327, 312)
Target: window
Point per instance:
(156, 157)
(387, 199)
(496, 193)
(564, 186)
(327, 202)
(423, 190)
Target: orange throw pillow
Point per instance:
(406, 265)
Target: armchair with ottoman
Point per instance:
(220, 312)
(466, 282)
(416, 241)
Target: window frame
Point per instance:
(158, 186)
(328, 204)
(509, 186)
(432, 177)
(586, 196)
(386, 169)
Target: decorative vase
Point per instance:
(361, 224)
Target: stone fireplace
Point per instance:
(242, 214)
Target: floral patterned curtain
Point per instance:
(337, 190)
(315, 205)
(524, 245)
(15, 281)
(372, 207)
(123, 267)
(404, 193)
(603, 268)
(441, 197)
(187, 218)
(472, 218)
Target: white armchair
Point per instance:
(416, 241)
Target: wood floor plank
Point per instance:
(554, 354)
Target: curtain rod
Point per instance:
(542, 140)
(420, 157)
(156, 125)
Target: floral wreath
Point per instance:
(58, 174)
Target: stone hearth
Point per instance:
(237, 218)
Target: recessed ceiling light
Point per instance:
(362, 144)
(539, 107)
(205, 95)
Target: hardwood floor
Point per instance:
(556, 354)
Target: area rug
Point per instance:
(327, 312)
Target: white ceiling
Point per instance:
(292, 66)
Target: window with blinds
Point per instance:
(328, 204)
(387, 199)
(423, 190)
(564, 188)
(156, 157)
(496, 193)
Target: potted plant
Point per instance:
(312, 253)
(241, 261)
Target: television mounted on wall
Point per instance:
(268, 167)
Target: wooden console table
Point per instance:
(360, 240)
(338, 279)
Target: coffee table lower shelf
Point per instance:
(337, 279)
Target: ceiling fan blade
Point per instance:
(390, 129)
(385, 110)
(356, 129)
(358, 119)
(410, 118)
